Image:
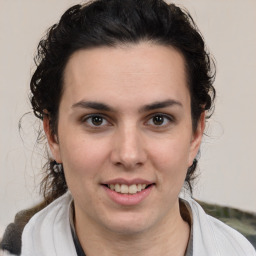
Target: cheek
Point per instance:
(171, 159)
(82, 159)
(171, 153)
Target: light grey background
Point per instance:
(227, 165)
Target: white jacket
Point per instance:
(48, 233)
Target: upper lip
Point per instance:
(128, 182)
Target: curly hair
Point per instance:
(111, 23)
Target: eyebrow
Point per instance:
(104, 107)
(93, 105)
(160, 104)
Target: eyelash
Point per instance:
(167, 118)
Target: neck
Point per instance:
(170, 237)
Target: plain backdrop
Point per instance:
(227, 173)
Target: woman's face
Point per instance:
(125, 123)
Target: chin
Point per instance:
(130, 224)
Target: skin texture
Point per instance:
(126, 143)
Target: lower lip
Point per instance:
(128, 199)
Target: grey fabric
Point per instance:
(11, 241)
(189, 251)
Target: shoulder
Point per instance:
(50, 230)
(53, 210)
(230, 239)
(215, 237)
(12, 237)
(44, 220)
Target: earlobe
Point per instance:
(52, 140)
(197, 138)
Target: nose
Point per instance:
(128, 149)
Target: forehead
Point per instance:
(144, 69)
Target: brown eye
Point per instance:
(158, 120)
(97, 120)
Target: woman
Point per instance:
(123, 88)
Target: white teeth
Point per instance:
(125, 189)
(117, 188)
(132, 189)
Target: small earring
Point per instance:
(57, 168)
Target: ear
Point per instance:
(52, 140)
(197, 138)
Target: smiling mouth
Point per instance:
(128, 189)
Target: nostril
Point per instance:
(118, 163)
